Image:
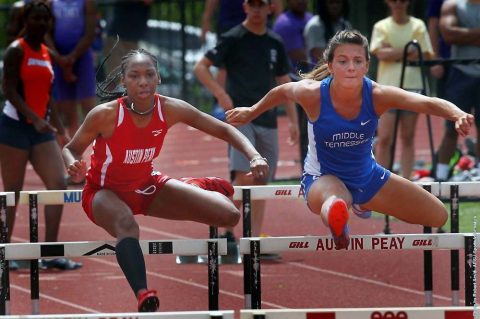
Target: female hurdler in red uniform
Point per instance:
(128, 134)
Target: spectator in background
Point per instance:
(290, 25)
(440, 48)
(29, 123)
(72, 37)
(329, 19)
(230, 14)
(255, 61)
(129, 23)
(460, 27)
(389, 38)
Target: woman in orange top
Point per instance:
(29, 124)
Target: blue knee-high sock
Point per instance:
(130, 258)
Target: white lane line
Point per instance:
(189, 283)
(60, 301)
(365, 280)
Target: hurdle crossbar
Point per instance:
(362, 313)
(222, 314)
(184, 247)
(358, 242)
(10, 196)
(34, 251)
(52, 197)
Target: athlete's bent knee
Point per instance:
(230, 217)
(440, 219)
(126, 226)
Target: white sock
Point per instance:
(442, 171)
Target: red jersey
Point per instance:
(123, 162)
(36, 77)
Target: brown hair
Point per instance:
(341, 37)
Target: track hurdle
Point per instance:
(254, 245)
(186, 247)
(362, 313)
(444, 190)
(6, 199)
(224, 314)
(210, 247)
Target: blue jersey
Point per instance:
(69, 25)
(342, 147)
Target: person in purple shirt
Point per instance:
(290, 25)
(72, 37)
(441, 49)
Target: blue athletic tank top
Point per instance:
(69, 23)
(342, 147)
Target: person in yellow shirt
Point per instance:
(389, 38)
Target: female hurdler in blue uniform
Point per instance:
(343, 107)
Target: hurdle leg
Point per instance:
(256, 282)
(469, 271)
(428, 265)
(247, 232)
(34, 273)
(213, 280)
(5, 271)
(454, 254)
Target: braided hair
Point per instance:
(111, 88)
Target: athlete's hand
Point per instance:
(43, 126)
(77, 170)
(463, 124)
(258, 168)
(238, 116)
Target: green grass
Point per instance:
(467, 211)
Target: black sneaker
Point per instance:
(270, 257)
(18, 264)
(233, 253)
(229, 236)
(61, 263)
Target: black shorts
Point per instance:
(19, 134)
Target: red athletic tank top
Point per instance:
(123, 162)
(36, 74)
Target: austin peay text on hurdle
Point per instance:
(32, 251)
(445, 190)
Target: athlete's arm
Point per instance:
(389, 97)
(306, 93)
(98, 122)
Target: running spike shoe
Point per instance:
(362, 213)
(215, 184)
(338, 223)
(148, 301)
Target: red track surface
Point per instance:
(301, 280)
